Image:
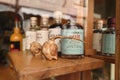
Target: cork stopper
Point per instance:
(58, 16)
(100, 24)
(33, 21)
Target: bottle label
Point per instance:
(56, 32)
(70, 46)
(108, 43)
(14, 46)
(97, 41)
(42, 36)
(30, 37)
(23, 44)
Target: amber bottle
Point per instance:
(16, 38)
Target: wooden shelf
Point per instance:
(26, 65)
(110, 59)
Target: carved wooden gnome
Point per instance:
(50, 49)
(35, 48)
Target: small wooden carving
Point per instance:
(49, 48)
(35, 48)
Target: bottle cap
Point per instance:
(100, 21)
(111, 21)
(33, 18)
(58, 14)
(44, 19)
(100, 24)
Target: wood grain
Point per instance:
(117, 56)
(6, 73)
(27, 66)
(89, 28)
(109, 59)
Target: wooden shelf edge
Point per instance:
(109, 59)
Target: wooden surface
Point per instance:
(110, 59)
(26, 65)
(89, 27)
(72, 76)
(6, 73)
(117, 57)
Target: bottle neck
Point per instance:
(33, 25)
(58, 20)
(99, 26)
(111, 26)
(44, 24)
(16, 30)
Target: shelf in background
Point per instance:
(110, 59)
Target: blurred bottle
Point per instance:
(16, 38)
(97, 36)
(42, 32)
(72, 48)
(31, 33)
(108, 39)
(55, 29)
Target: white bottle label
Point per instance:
(30, 37)
(42, 36)
(97, 39)
(23, 44)
(56, 32)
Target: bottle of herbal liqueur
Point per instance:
(97, 36)
(55, 29)
(42, 32)
(31, 33)
(108, 39)
(72, 48)
(16, 38)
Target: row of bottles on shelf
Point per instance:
(68, 48)
(104, 38)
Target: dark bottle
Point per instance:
(108, 39)
(72, 48)
(55, 29)
(97, 36)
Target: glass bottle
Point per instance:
(42, 33)
(72, 48)
(97, 36)
(31, 33)
(16, 38)
(108, 39)
(55, 29)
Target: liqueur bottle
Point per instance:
(97, 36)
(55, 29)
(31, 33)
(108, 40)
(42, 33)
(72, 48)
(16, 38)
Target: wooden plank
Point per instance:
(25, 64)
(72, 76)
(86, 75)
(110, 59)
(6, 73)
(117, 55)
(88, 28)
